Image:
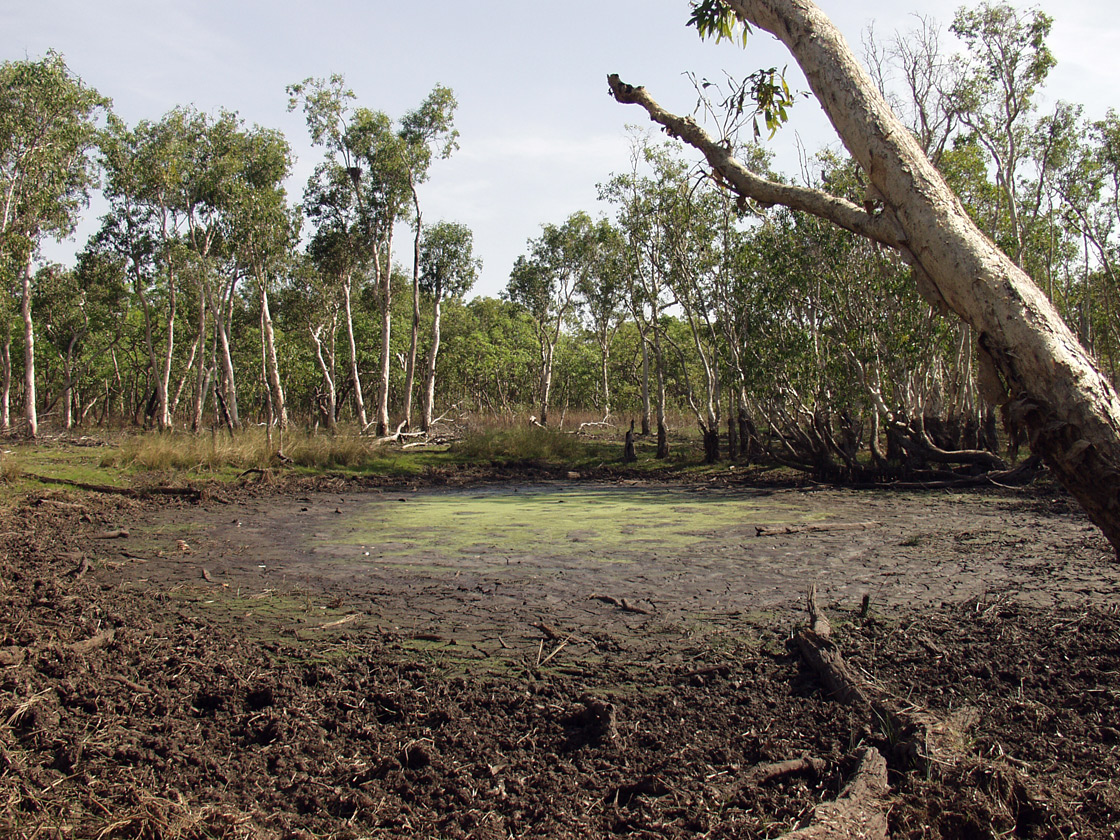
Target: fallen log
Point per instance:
(115, 534)
(60, 504)
(778, 530)
(187, 492)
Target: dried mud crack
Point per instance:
(139, 698)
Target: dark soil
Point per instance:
(163, 684)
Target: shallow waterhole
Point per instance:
(601, 524)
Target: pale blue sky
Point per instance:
(538, 130)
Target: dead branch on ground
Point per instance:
(621, 603)
(776, 530)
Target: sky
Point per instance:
(538, 130)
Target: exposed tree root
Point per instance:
(859, 811)
(919, 739)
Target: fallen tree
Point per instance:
(1030, 361)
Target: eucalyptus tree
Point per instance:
(448, 268)
(1089, 184)
(264, 231)
(1029, 359)
(701, 231)
(362, 189)
(81, 312)
(48, 131)
(602, 299)
(342, 245)
(313, 300)
(930, 82)
(1006, 63)
(214, 155)
(388, 192)
(428, 132)
(144, 230)
(545, 283)
(646, 234)
(337, 251)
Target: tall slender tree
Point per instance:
(448, 268)
(427, 132)
(48, 131)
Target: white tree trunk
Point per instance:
(327, 370)
(386, 343)
(410, 367)
(6, 383)
(272, 366)
(433, 353)
(28, 354)
(355, 379)
(1050, 384)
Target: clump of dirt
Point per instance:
(130, 710)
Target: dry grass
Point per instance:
(247, 449)
(10, 471)
(517, 444)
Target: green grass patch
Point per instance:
(22, 463)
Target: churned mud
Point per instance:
(560, 659)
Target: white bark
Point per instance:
(272, 365)
(355, 379)
(6, 383)
(328, 376)
(28, 353)
(433, 353)
(1054, 389)
(386, 277)
(410, 367)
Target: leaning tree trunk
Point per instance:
(1029, 358)
(272, 365)
(331, 410)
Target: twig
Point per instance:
(346, 619)
(119, 533)
(558, 648)
(621, 603)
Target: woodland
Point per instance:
(301, 654)
(210, 297)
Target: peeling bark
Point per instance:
(1069, 409)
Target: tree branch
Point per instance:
(839, 211)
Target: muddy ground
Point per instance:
(332, 660)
